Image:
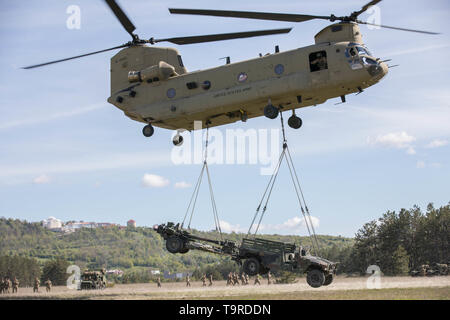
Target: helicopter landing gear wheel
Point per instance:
(294, 122)
(177, 140)
(270, 111)
(148, 130)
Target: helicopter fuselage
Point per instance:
(337, 65)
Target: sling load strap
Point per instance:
(193, 200)
(298, 190)
(304, 201)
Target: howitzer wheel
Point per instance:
(174, 244)
(328, 279)
(315, 278)
(251, 267)
(184, 250)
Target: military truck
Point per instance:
(260, 256)
(93, 279)
(255, 255)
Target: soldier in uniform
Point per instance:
(210, 280)
(230, 279)
(243, 278)
(7, 285)
(319, 63)
(204, 280)
(257, 279)
(15, 285)
(158, 281)
(48, 285)
(36, 285)
(269, 278)
(188, 281)
(235, 279)
(424, 269)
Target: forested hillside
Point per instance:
(397, 242)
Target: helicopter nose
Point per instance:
(378, 71)
(384, 69)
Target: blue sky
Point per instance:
(65, 152)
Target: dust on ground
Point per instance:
(219, 290)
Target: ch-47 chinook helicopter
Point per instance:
(151, 84)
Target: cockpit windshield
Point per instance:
(362, 51)
(358, 56)
(367, 60)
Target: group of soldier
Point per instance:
(233, 279)
(7, 286)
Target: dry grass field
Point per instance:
(417, 288)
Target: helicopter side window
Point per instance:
(318, 61)
(180, 61)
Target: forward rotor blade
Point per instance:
(367, 6)
(223, 36)
(120, 14)
(396, 28)
(250, 15)
(80, 56)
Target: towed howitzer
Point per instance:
(256, 255)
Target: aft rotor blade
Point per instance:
(250, 15)
(80, 56)
(367, 6)
(222, 36)
(396, 28)
(120, 14)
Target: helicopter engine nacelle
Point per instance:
(162, 71)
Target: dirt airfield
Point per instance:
(342, 288)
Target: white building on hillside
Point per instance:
(52, 223)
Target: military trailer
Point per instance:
(256, 255)
(93, 279)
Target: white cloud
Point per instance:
(395, 139)
(182, 185)
(420, 164)
(228, 227)
(153, 180)
(292, 225)
(398, 140)
(42, 179)
(437, 143)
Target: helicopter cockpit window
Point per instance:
(318, 61)
(362, 51)
(368, 61)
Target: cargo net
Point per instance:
(193, 201)
(285, 154)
